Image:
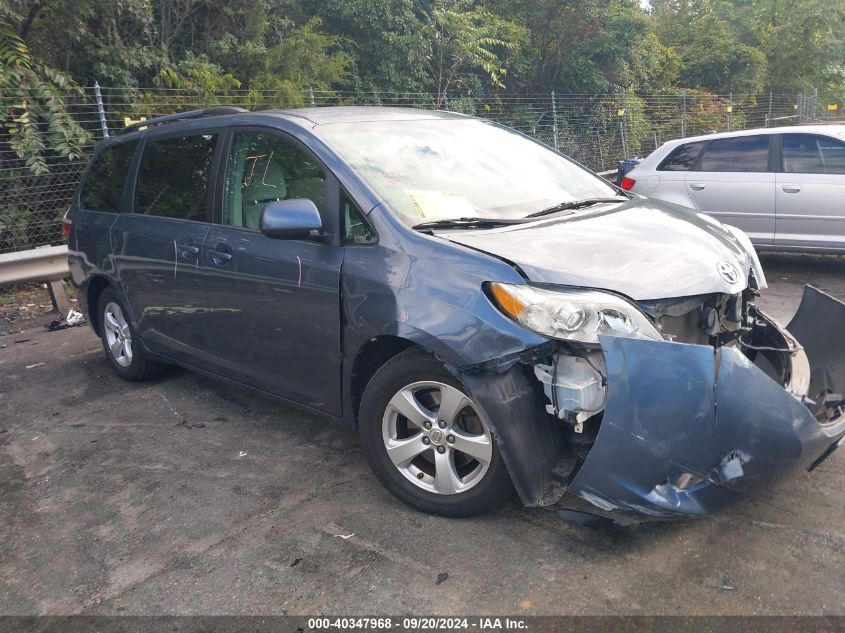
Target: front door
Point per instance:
(274, 305)
(157, 248)
(811, 192)
(732, 182)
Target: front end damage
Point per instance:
(637, 429)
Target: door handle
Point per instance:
(188, 250)
(791, 188)
(220, 254)
(697, 186)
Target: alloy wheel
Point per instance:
(436, 439)
(118, 335)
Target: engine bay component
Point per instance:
(575, 387)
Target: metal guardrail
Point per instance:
(47, 263)
(43, 264)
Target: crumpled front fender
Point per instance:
(674, 409)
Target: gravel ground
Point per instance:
(185, 496)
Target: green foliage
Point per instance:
(713, 55)
(303, 58)
(277, 49)
(589, 47)
(198, 75)
(34, 120)
(756, 45)
(804, 43)
(385, 42)
(465, 39)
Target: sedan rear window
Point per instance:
(103, 187)
(683, 157)
(742, 153)
(813, 154)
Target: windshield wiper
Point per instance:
(465, 223)
(574, 204)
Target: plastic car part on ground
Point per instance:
(74, 318)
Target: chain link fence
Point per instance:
(597, 130)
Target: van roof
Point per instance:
(314, 116)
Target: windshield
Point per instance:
(428, 170)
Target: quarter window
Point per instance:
(813, 154)
(356, 230)
(263, 168)
(173, 177)
(103, 187)
(682, 158)
(742, 153)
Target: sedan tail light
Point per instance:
(628, 183)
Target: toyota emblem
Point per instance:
(728, 272)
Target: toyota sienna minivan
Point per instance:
(489, 314)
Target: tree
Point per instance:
(304, 58)
(467, 39)
(589, 46)
(34, 120)
(714, 59)
(807, 40)
(385, 40)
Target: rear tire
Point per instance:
(426, 443)
(122, 347)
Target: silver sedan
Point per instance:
(785, 187)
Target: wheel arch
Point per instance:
(370, 357)
(94, 290)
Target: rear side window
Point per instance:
(743, 153)
(683, 157)
(173, 177)
(813, 154)
(103, 187)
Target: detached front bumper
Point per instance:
(687, 429)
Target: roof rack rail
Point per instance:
(182, 116)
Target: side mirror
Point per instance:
(294, 219)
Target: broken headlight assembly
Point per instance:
(572, 315)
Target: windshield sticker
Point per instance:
(437, 205)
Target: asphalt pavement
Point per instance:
(186, 496)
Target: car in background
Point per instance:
(784, 187)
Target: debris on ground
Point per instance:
(35, 365)
(74, 318)
(190, 425)
(24, 306)
(441, 577)
(344, 536)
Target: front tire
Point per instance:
(425, 441)
(121, 345)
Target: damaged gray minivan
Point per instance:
(491, 315)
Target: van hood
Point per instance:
(642, 248)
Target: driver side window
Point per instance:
(263, 168)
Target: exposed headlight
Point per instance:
(572, 315)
